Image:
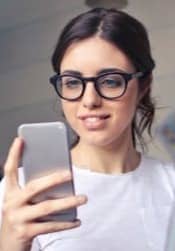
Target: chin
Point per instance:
(96, 141)
(104, 139)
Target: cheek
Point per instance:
(132, 96)
(69, 110)
(126, 106)
(129, 106)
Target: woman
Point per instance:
(103, 68)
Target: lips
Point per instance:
(94, 121)
(93, 116)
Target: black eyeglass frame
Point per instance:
(126, 76)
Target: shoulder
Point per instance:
(158, 176)
(153, 166)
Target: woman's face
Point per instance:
(96, 120)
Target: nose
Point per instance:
(91, 98)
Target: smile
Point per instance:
(94, 122)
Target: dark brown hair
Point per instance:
(130, 36)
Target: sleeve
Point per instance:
(35, 243)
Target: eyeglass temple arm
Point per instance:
(138, 74)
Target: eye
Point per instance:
(112, 81)
(71, 82)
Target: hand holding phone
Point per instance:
(19, 223)
(46, 150)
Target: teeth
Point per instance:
(93, 119)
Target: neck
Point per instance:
(119, 157)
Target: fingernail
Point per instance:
(82, 198)
(78, 223)
(66, 174)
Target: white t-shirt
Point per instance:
(125, 212)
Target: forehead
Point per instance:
(92, 54)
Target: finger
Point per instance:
(45, 208)
(50, 227)
(35, 187)
(12, 162)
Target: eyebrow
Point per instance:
(101, 71)
(72, 72)
(106, 70)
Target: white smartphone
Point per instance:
(46, 150)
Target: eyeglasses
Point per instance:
(109, 85)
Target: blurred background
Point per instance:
(28, 34)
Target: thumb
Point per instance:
(12, 163)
